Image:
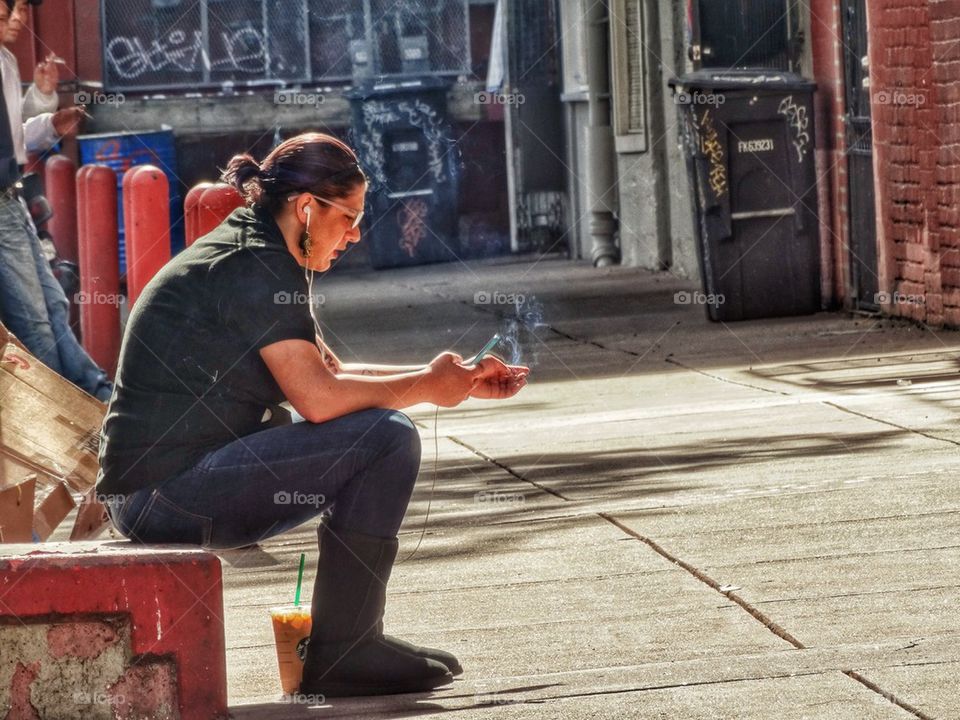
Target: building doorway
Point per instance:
(864, 279)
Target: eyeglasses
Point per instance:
(355, 215)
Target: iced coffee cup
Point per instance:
(291, 630)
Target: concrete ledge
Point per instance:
(111, 630)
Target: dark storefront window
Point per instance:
(745, 33)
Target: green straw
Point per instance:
(296, 600)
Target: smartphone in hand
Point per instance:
(487, 349)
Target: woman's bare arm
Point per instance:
(379, 370)
(319, 394)
(337, 366)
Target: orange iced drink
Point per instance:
(291, 629)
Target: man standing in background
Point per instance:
(32, 302)
(41, 97)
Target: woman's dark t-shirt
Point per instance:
(190, 377)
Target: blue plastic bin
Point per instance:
(123, 150)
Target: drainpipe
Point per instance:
(601, 157)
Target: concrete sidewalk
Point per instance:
(676, 519)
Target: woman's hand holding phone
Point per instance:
(490, 378)
(451, 381)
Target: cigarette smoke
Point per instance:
(519, 342)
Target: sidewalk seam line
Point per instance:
(707, 580)
(890, 697)
(761, 617)
(720, 378)
(755, 613)
(505, 468)
(921, 433)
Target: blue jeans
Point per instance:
(34, 307)
(362, 467)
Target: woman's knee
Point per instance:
(399, 435)
(386, 435)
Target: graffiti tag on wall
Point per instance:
(242, 50)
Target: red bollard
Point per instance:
(99, 298)
(81, 203)
(216, 203)
(146, 217)
(76, 321)
(61, 189)
(191, 209)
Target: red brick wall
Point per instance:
(915, 89)
(945, 36)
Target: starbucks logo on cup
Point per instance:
(302, 648)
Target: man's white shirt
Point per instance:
(31, 118)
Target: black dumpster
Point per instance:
(405, 143)
(749, 141)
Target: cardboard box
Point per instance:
(51, 512)
(49, 431)
(16, 512)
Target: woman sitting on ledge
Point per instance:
(197, 449)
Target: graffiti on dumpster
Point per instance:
(421, 115)
(711, 147)
(689, 133)
(411, 218)
(243, 50)
(378, 114)
(799, 122)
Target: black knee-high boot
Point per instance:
(348, 654)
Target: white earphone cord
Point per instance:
(308, 276)
(433, 487)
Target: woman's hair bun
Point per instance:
(243, 173)
(311, 162)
